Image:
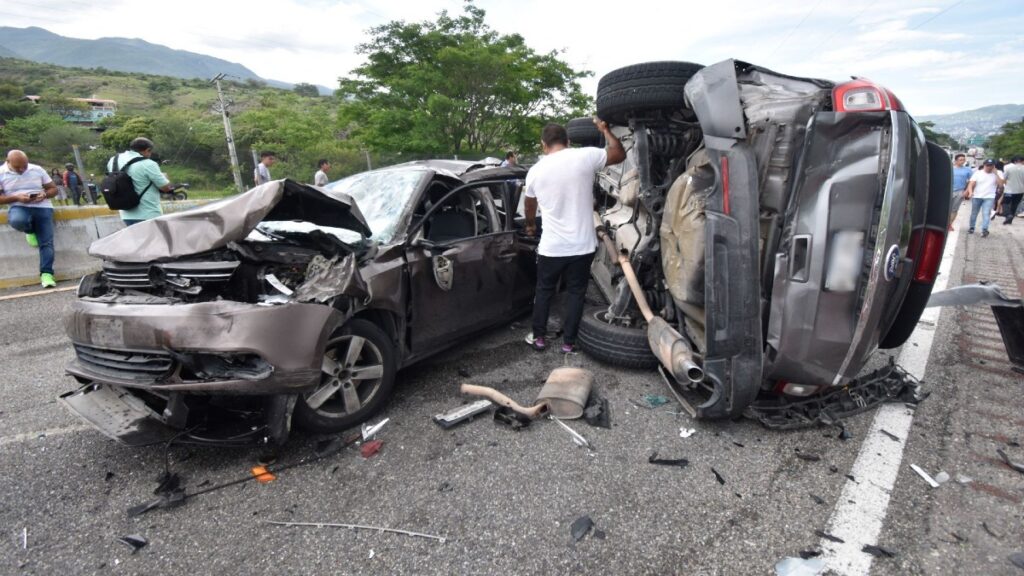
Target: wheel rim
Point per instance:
(352, 372)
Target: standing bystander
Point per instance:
(1014, 189)
(145, 174)
(320, 178)
(562, 185)
(961, 176)
(261, 175)
(510, 160)
(73, 183)
(28, 189)
(981, 190)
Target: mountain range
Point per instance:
(981, 122)
(121, 54)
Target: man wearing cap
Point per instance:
(73, 183)
(149, 181)
(1014, 189)
(981, 190)
(27, 189)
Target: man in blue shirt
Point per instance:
(27, 188)
(961, 176)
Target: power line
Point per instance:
(794, 29)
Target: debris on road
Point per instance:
(576, 437)
(134, 541)
(370, 431)
(931, 481)
(463, 373)
(262, 475)
(687, 432)
(829, 537)
(441, 539)
(565, 392)
(24, 538)
(845, 434)
(806, 554)
(655, 400)
(597, 413)
(942, 477)
(680, 462)
(503, 400)
(718, 477)
(809, 457)
(891, 436)
(985, 527)
(1017, 559)
(799, 566)
(511, 418)
(580, 527)
(961, 479)
(370, 448)
(817, 499)
(108, 477)
(878, 551)
(462, 414)
(1006, 460)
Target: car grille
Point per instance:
(124, 364)
(143, 276)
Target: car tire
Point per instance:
(647, 87)
(583, 132)
(324, 409)
(613, 344)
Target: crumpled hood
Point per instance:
(214, 225)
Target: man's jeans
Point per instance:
(40, 222)
(983, 205)
(576, 270)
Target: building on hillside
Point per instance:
(96, 109)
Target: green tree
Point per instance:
(305, 89)
(62, 105)
(1008, 143)
(940, 138)
(454, 85)
(11, 103)
(117, 138)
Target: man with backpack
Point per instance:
(134, 182)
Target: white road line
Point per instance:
(861, 509)
(49, 433)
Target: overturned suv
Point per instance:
(786, 227)
(291, 300)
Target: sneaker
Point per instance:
(537, 343)
(984, 233)
(32, 240)
(970, 230)
(568, 348)
(46, 279)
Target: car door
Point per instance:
(508, 200)
(461, 262)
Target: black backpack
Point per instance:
(118, 188)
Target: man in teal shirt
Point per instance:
(148, 179)
(961, 176)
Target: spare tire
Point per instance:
(583, 132)
(614, 344)
(647, 87)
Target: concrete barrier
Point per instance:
(75, 228)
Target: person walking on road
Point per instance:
(261, 174)
(73, 183)
(27, 189)
(1014, 188)
(147, 178)
(320, 178)
(562, 185)
(981, 191)
(961, 176)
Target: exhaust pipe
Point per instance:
(667, 344)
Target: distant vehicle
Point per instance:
(787, 227)
(179, 193)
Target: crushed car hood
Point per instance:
(216, 224)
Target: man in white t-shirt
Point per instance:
(1014, 190)
(320, 178)
(562, 185)
(27, 189)
(982, 192)
(261, 174)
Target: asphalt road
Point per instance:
(505, 500)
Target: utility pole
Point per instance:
(228, 134)
(368, 165)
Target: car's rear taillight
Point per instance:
(864, 96)
(927, 256)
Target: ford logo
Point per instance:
(892, 260)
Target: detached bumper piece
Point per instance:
(118, 415)
(889, 384)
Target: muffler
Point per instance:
(667, 344)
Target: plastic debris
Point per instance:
(807, 456)
(817, 499)
(655, 400)
(942, 477)
(262, 475)
(961, 479)
(576, 437)
(580, 527)
(134, 541)
(372, 554)
(891, 436)
(829, 537)
(370, 431)
(718, 477)
(680, 462)
(1006, 460)
(878, 551)
(687, 432)
(463, 413)
(441, 539)
(1017, 559)
(370, 448)
(931, 481)
(799, 566)
(845, 434)
(805, 554)
(597, 412)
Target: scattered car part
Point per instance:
(598, 412)
(580, 527)
(799, 567)
(1019, 467)
(817, 500)
(806, 456)
(986, 528)
(441, 539)
(565, 392)
(462, 413)
(118, 414)
(134, 541)
(719, 477)
(502, 400)
(942, 477)
(878, 551)
(511, 418)
(1017, 559)
(920, 472)
(576, 437)
(262, 475)
(646, 88)
(891, 436)
(583, 132)
(371, 448)
(655, 400)
(370, 431)
(680, 462)
(805, 554)
(687, 432)
(829, 537)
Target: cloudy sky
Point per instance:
(938, 56)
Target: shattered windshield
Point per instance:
(381, 196)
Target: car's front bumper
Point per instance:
(212, 347)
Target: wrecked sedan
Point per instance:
(294, 301)
(785, 227)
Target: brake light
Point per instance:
(864, 96)
(926, 264)
(725, 185)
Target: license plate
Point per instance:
(106, 332)
(845, 261)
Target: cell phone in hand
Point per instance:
(34, 195)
